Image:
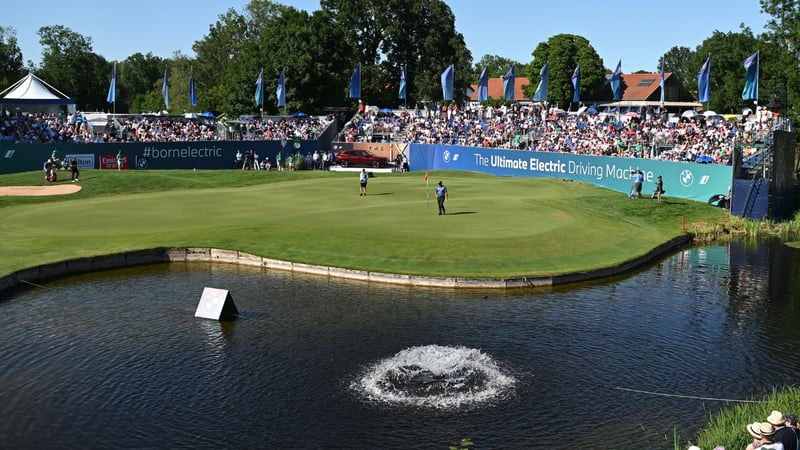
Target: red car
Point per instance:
(359, 157)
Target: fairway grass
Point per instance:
(494, 227)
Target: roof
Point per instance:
(33, 90)
(635, 87)
(496, 88)
(640, 86)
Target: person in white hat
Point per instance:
(752, 428)
(767, 433)
(783, 434)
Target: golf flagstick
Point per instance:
(427, 191)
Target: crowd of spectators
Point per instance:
(50, 128)
(43, 128)
(279, 127)
(524, 127)
(644, 134)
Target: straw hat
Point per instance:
(765, 429)
(752, 428)
(776, 418)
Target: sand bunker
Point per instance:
(52, 189)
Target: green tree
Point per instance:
(69, 64)
(562, 53)
(675, 61)
(272, 37)
(11, 69)
(390, 34)
(783, 30)
(726, 78)
(137, 76)
(496, 66)
(784, 26)
(216, 53)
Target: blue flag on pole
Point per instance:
(751, 78)
(483, 86)
(112, 88)
(616, 81)
(702, 81)
(280, 92)
(192, 90)
(259, 97)
(509, 80)
(661, 81)
(541, 91)
(402, 93)
(165, 89)
(355, 82)
(576, 84)
(447, 83)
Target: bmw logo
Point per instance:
(687, 178)
(446, 155)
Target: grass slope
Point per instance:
(495, 227)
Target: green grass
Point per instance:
(495, 227)
(727, 427)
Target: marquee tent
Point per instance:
(33, 94)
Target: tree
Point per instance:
(675, 61)
(562, 53)
(419, 35)
(137, 76)
(271, 37)
(496, 66)
(783, 30)
(216, 53)
(726, 79)
(11, 69)
(784, 27)
(70, 65)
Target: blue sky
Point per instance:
(638, 33)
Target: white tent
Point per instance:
(34, 94)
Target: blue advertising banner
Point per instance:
(691, 181)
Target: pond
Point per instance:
(117, 358)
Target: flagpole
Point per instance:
(405, 97)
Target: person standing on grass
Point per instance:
(362, 181)
(659, 189)
(638, 178)
(441, 196)
(120, 159)
(73, 167)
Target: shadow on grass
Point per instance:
(461, 213)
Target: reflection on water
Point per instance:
(117, 359)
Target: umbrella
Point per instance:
(632, 114)
(689, 113)
(704, 159)
(299, 114)
(709, 113)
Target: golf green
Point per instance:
(494, 227)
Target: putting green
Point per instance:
(495, 227)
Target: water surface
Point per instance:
(116, 359)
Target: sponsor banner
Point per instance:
(110, 162)
(148, 155)
(681, 179)
(85, 160)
